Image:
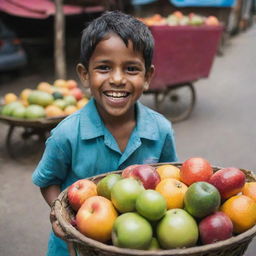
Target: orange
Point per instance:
(10, 97)
(60, 83)
(168, 171)
(173, 192)
(249, 190)
(25, 93)
(45, 87)
(70, 109)
(53, 111)
(241, 210)
(81, 103)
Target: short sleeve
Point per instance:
(169, 153)
(54, 165)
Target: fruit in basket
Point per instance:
(96, 217)
(249, 190)
(241, 210)
(70, 100)
(202, 199)
(168, 171)
(124, 194)
(53, 111)
(71, 84)
(60, 103)
(9, 98)
(40, 98)
(57, 95)
(77, 93)
(70, 109)
(132, 231)
(195, 169)
(105, 185)
(60, 83)
(215, 227)
(173, 191)
(144, 173)
(45, 87)
(81, 103)
(79, 191)
(34, 112)
(177, 229)
(229, 181)
(151, 205)
(19, 112)
(9, 108)
(154, 245)
(25, 93)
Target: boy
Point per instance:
(113, 130)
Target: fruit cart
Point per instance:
(183, 54)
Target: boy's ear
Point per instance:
(83, 74)
(149, 76)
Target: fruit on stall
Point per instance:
(105, 185)
(124, 194)
(249, 189)
(79, 191)
(34, 112)
(96, 217)
(132, 231)
(229, 181)
(195, 169)
(151, 205)
(168, 171)
(241, 210)
(144, 173)
(173, 191)
(8, 109)
(177, 229)
(202, 199)
(215, 227)
(62, 94)
(212, 21)
(19, 112)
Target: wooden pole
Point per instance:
(59, 44)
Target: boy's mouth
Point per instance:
(114, 94)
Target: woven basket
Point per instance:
(235, 246)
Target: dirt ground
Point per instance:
(222, 128)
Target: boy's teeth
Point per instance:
(117, 94)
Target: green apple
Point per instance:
(151, 204)
(202, 199)
(177, 229)
(132, 231)
(105, 185)
(70, 100)
(124, 194)
(60, 103)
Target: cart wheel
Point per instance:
(24, 144)
(177, 102)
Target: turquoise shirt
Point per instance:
(81, 146)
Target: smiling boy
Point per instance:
(114, 130)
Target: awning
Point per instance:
(41, 9)
(205, 3)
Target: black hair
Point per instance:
(126, 27)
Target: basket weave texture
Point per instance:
(235, 246)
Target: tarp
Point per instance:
(203, 3)
(41, 9)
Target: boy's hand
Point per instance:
(57, 230)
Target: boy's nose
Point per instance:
(117, 78)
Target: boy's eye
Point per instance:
(132, 69)
(103, 67)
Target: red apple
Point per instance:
(229, 181)
(215, 227)
(77, 93)
(96, 217)
(79, 191)
(144, 173)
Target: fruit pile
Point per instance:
(177, 18)
(60, 99)
(165, 207)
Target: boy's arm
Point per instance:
(50, 193)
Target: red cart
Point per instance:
(183, 54)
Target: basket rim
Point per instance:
(80, 238)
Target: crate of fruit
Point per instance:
(190, 208)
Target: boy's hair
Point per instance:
(126, 27)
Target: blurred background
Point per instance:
(204, 83)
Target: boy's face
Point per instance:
(116, 76)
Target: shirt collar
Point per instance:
(91, 124)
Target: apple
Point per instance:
(127, 170)
(70, 100)
(177, 229)
(229, 181)
(215, 227)
(79, 191)
(201, 199)
(77, 93)
(154, 245)
(71, 84)
(124, 194)
(145, 173)
(132, 231)
(151, 205)
(96, 217)
(105, 185)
